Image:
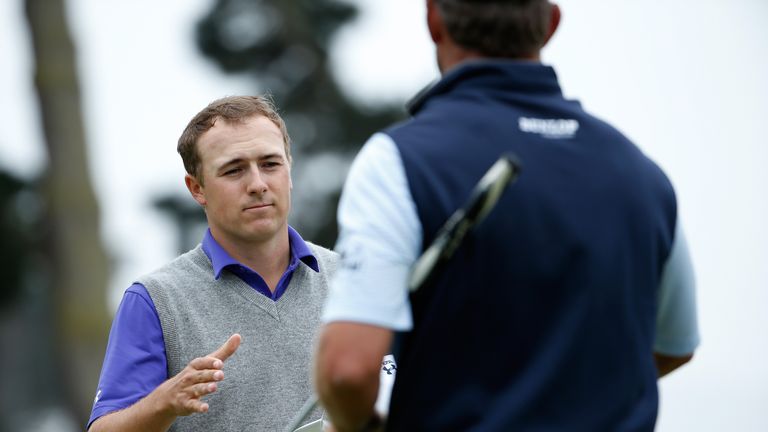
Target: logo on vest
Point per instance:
(388, 366)
(350, 261)
(549, 128)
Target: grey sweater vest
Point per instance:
(269, 377)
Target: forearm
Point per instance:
(180, 395)
(666, 364)
(349, 405)
(146, 415)
(347, 367)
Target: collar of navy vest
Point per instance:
(499, 74)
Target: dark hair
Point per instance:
(498, 28)
(231, 109)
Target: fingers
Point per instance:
(196, 376)
(187, 397)
(206, 363)
(229, 348)
(196, 406)
(200, 378)
(215, 360)
(200, 390)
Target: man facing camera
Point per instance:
(220, 338)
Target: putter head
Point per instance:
(315, 426)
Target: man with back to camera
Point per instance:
(562, 309)
(252, 285)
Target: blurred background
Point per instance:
(94, 94)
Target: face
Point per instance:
(246, 181)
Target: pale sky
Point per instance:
(685, 79)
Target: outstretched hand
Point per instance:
(183, 392)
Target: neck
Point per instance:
(452, 56)
(268, 258)
(449, 65)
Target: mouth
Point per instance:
(257, 207)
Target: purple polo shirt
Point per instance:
(135, 362)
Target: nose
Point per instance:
(256, 183)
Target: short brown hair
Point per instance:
(231, 109)
(498, 28)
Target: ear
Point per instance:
(196, 189)
(435, 22)
(554, 21)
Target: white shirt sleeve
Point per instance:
(379, 240)
(677, 331)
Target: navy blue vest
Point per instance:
(545, 317)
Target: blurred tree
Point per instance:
(28, 365)
(15, 245)
(284, 46)
(64, 312)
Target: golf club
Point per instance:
(482, 200)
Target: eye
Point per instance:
(232, 171)
(270, 164)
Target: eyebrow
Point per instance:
(239, 160)
(271, 156)
(227, 164)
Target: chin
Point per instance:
(263, 231)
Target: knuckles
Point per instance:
(199, 378)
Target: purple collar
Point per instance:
(220, 259)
